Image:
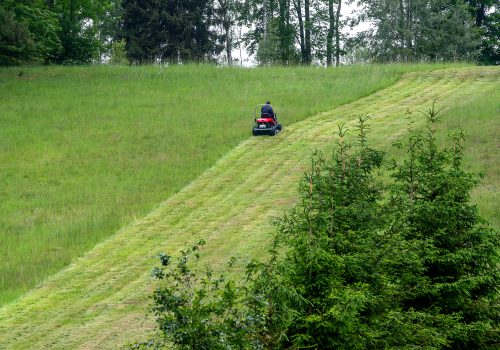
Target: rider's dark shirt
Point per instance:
(268, 109)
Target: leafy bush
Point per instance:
(28, 33)
(118, 55)
(197, 311)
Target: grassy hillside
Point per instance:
(100, 301)
(84, 151)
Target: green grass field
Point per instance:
(100, 300)
(84, 151)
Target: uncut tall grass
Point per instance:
(85, 150)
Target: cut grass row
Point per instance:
(479, 118)
(85, 150)
(100, 301)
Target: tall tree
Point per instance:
(28, 33)
(272, 36)
(415, 30)
(225, 14)
(303, 14)
(140, 30)
(331, 31)
(486, 14)
(188, 31)
(307, 32)
(305, 26)
(173, 31)
(108, 23)
(302, 42)
(286, 34)
(337, 33)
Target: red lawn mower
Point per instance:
(266, 124)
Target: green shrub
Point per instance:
(118, 54)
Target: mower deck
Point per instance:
(266, 126)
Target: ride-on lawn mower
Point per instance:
(266, 124)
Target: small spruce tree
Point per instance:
(456, 287)
(330, 240)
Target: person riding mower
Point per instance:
(267, 124)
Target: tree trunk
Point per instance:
(329, 37)
(409, 29)
(337, 35)
(402, 29)
(283, 50)
(72, 10)
(225, 18)
(298, 9)
(239, 42)
(229, 43)
(271, 8)
(265, 19)
(307, 32)
(480, 15)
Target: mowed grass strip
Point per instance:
(479, 118)
(101, 300)
(85, 150)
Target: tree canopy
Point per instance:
(284, 32)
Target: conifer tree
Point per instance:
(327, 236)
(457, 284)
(172, 31)
(140, 30)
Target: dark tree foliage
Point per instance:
(486, 15)
(80, 22)
(16, 43)
(171, 31)
(65, 32)
(140, 29)
(188, 31)
(28, 33)
(490, 45)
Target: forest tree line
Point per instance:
(284, 32)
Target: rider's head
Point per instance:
(268, 102)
